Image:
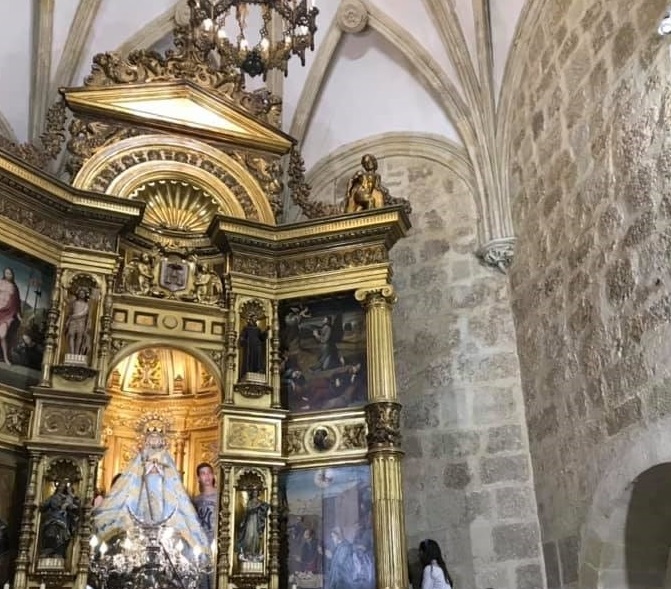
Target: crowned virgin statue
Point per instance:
(150, 492)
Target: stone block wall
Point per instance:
(467, 471)
(591, 280)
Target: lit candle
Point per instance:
(5, 586)
(43, 586)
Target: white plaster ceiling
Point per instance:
(401, 74)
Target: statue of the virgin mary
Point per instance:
(150, 492)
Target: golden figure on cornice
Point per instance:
(365, 190)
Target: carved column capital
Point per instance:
(384, 425)
(498, 253)
(376, 297)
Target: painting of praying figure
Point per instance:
(25, 295)
(323, 354)
(329, 531)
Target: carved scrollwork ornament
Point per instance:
(294, 442)
(50, 142)
(74, 373)
(117, 345)
(58, 421)
(16, 421)
(252, 390)
(498, 253)
(384, 425)
(352, 436)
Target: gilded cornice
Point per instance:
(59, 199)
(386, 225)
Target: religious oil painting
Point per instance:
(25, 296)
(329, 529)
(323, 354)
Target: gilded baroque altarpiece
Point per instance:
(158, 286)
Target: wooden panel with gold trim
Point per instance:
(175, 320)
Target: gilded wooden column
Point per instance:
(381, 373)
(276, 402)
(52, 331)
(230, 377)
(383, 418)
(274, 529)
(105, 337)
(85, 526)
(224, 520)
(28, 535)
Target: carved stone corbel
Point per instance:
(498, 253)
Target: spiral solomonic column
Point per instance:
(383, 418)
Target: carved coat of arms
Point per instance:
(174, 275)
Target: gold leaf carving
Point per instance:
(251, 436)
(254, 266)
(16, 420)
(329, 261)
(294, 442)
(75, 234)
(384, 424)
(352, 436)
(50, 143)
(208, 451)
(147, 372)
(58, 421)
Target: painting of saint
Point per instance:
(323, 354)
(329, 531)
(25, 296)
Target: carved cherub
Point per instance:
(364, 190)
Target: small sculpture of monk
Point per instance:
(364, 190)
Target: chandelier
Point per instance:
(149, 555)
(220, 28)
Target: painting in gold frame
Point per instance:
(328, 528)
(323, 351)
(25, 295)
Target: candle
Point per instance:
(5, 586)
(43, 586)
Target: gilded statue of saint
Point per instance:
(365, 190)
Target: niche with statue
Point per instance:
(252, 507)
(59, 515)
(253, 346)
(81, 307)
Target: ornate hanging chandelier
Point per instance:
(149, 555)
(221, 28)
